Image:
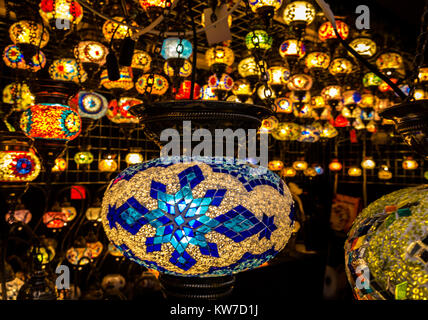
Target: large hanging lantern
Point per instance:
(69, 11)
(326, 30)
(118, 111)
(18, 163)
(159, 87)
(218, 227)
(92, 105)
(299, 13)
(317, 60)
(176, 48)
(19, 95)
(67, 70)
(113, 30)
(91, 52)
(14, 58)
(278, 76)
(51, 121)
(364, 46)
(391, 63)
(27, 32)
(260, 38)
(125, 81)
(386, 250)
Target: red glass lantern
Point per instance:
(326, 30)
(184, 91)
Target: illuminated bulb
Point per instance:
(410, 164)
(364, 46)
(288, 172)
(317, 60)
(133, 158)
(260, 38)
(384, 173)
(299, 12)
(326, 30)
(275, 165)
(368, 163)
(278, 75)
(354, 172)
(335, 165)
(300, 165)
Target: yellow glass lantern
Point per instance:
(354, 172)
(68, 11)
(93, 214)
(91, 52)
(384, 173)
(83, 157)
(283, 105)
(79, 256)
(95, 247)
(19, 95)
(368, 163)
(410, 164)
(332, 93)
(340, 66)
(335, 165)
(326, 30)
(278, 75)
(159, 87)
(288, 172)
(67, 70)
(364, 46)
(275, 165)
(242, 87)
(260, 6)
(248, 67)
(300, 165)
(300, 82)
(310, 172)
(264, 92)
(423, 74)
(18, 163)
(269, 124)
(108, 164)
(299, 12)
(141, 60)
(69, 211)
(219, 55)
(125, 81)
(13, 57)
(60, 165)
(207, 93)
(28, 32)
(420, 94)
(368, 100)
(152, 4)
(292, 48)
(387, 62)
(112, 29)
(317, 102)
(134, 158)
(317, 60)
(371, 80)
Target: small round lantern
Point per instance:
(219, 57)
(184, 71)
(410, 164)
(69, 11)
(286, 131)
(92, 105)
(288, 172)
(248, 68)
(300, 13)
(14, 58)
(278, 76)
(176, 48)
(113, 30)
(292, 48)
(124, 83)
(118, 111)
(384, 173)
(354, 172)
(317, 60)
(283, 105)
(326, 30)
(134, 158)
(269, 124)
(141, 60)
(300, 165)
(340, 66)
(300, 82)
(83, 158)
(259, 37)
(207, 93)
(368, 163)
(275, 165)
(60, 165)
(27, 32)
(184, 91)
(335, 165)
(364, 46)
(67, 70)
(108, 164)
(91, 52)
(159, 87)
(19, 95)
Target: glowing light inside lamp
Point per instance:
(242, 87)
(107, 165)
(283, 105)
(317, 60)
(51, 121)
(384, 173)
(83, 157)
(286, 131)
(60, 165)
(326, 30)
(207, 93)
(300, 82)
(292, 48)
(269, 124)
(182, 217)
(354, 172)
(159, 87)
(184, 72)
(92, 105)
(389, 60)
(368, 163)
(29, 32)
(364, 46)
(300, 165)
(224, 83)
(288, 172)
(275, 165)
(371, 80)
(410, 164)
(332, 93)
(340, 66)
(335, 165)
(278, 75)
(299, 11)
(68, 10)
(219, 55)
(248, 67)
(264, 92)
(133, 158)
(260, 38)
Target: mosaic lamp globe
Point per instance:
(198, 216)
(66, 11)
(386, 253)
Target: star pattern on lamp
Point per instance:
(180, 219)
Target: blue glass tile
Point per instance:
(221, 229)
(230, 234)
(210, 193)
(164, 220)
(179, 220)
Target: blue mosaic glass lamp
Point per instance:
(198, 217)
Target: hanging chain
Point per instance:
(54, 13)
(158, 47)
(418, 59)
